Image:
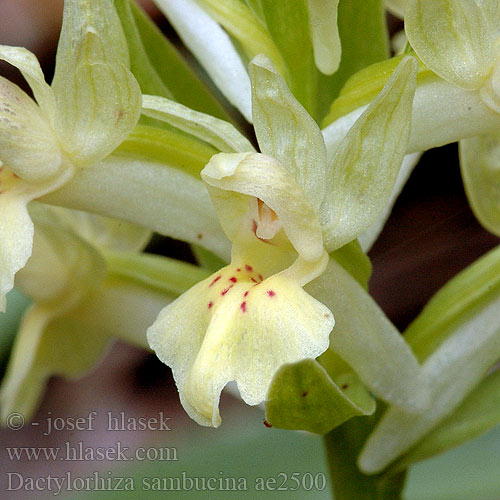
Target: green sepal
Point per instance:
(303, 397)
(293, 39)
(364, 38)
(158, 66)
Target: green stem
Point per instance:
(343, 445)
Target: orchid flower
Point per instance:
(283, 209)
(91, 106)
(84, 276)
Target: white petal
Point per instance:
(325, 35)
(213, 48)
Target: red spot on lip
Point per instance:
(254, 280)
(267, 424)
(271, 293)
(245, 294)
(210, 304)
(233, 279)
(226, 290)
(215, 280)
(248, 268)
(238, 270)
(243, 306)
(260, 277)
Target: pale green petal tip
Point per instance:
(325, 35)
(237, 325)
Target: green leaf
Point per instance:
(9, 322)
(480, 166)
(364, 39)
(158, 66)
(293, 39)
(348, 482)
(458, 338)
(366, 164)
(478, 413)
(303, 397)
